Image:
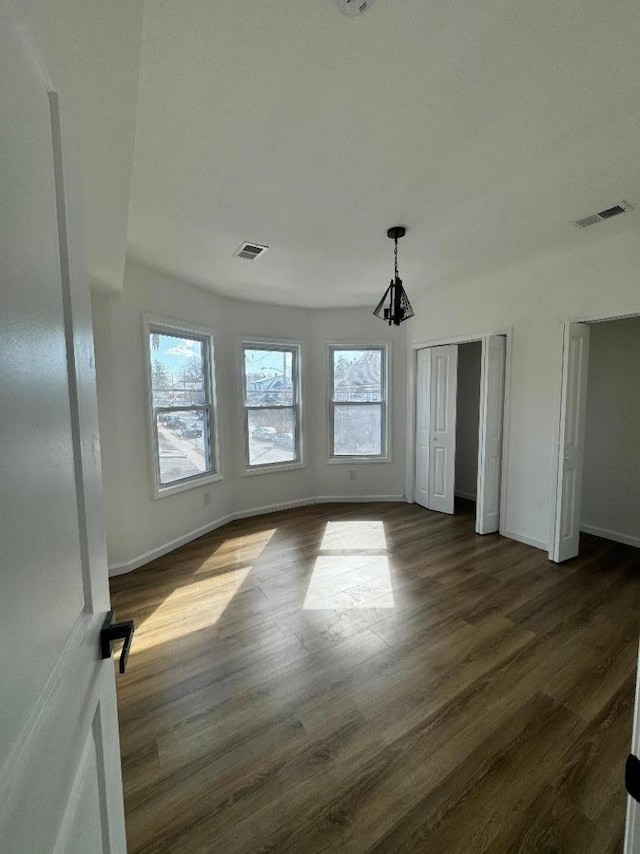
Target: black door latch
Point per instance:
(110, 632)
(632, 776)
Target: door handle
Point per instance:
(632, 776)
(110, 632)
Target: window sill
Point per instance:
(205, 480)
(336, 461)
(275, 467)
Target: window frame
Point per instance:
(285, 345)
(165, 326)
(385, 404)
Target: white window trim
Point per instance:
(386, 457)
(268, 468)
(171, 326)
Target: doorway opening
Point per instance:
(459, 414)
(467, 423)
(598, 482)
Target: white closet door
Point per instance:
(423, 433)
(573, 407)
(442, 452)
(490, 439)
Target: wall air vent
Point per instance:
(615, 210)
(250, 251)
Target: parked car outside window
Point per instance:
(191, 431)
(284, 440)
(264, 434)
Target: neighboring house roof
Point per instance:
(365, 373)
(269, 384)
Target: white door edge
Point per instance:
(569, 455)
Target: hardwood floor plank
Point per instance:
(453, 693)
(590, 776)
(551, 824)
(471, 807)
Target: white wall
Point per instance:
(468, 418)
(611, 486)
(603, 278)
(359, 325)
(113, 469)
(92, 51)
(139, 526)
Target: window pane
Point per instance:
(177, 370)
(271, 436)
(357, 430)
(357, 375)
(183, 444)
(268, 376)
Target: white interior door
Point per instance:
(494, 349)
(423, 421)
(573, 407)
(60, 783)
(632, 828)
(442, 423)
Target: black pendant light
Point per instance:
(394, 307)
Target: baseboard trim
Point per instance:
(356, 499)
(268, 508)
(165, 548)
(528, 541)
(171, 545)
(470, 496)
(606, 534)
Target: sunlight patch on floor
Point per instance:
(203, 602)
(336, 588)
(237, 550)
(353, 536)
(352, 570)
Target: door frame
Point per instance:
(556, 450)
(411, 409)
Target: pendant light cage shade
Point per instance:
(394, 307)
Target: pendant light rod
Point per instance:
(395, 233)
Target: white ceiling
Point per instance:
(484, 127)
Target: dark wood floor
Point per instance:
(356, 678)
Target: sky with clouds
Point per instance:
(174, 352)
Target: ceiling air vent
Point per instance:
(354, 8)
(250, 251)
(615, 210)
